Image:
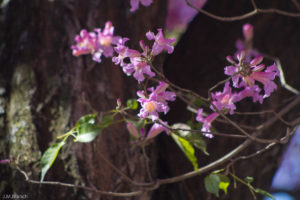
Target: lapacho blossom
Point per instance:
(245, 74)
(224, 100)
(155, 130)
(248, 32)
(136, 64)
(160, 42)
(135, 4)
(246, 44)
(251, 91)
(96, 43)
(124, 52)
(140, 68)
(155, 102)
(132, 129)
(206, 122)
(86, 43)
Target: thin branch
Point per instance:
(254, 4)
(295, 2)
(244, 16)
(232, 153)
(147, 163)
(114, 194)
(284, 139)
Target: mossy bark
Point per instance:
(47, 90)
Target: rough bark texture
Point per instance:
(44, 90)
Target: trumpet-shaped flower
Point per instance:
(206, 122)
(155, 130)
(155, 102)
(225, 99)
(160, 43)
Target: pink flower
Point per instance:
(248, 73)
(248, 32)
(252, 91)
(206, 122)
(155, 102)
(135, 4)
(106, 39)
(132, 130)
(85, 43)
(225, 99)
(140, 68)
(246, 44)
(96, 43)
(124, 52)
(160, 43)
(155, 130)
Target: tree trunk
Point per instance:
(44, 90)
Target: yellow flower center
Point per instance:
(150, 107)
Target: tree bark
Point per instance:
(46, 90)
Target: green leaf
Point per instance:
(249, 179)
(265, 193)
(88, 132)
(132, 104)
(211, 183)
(187, 149)
(49, 157)
(107, 120)
(89, 119)
(224, 182)
(196, 139)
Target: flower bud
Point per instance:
(248, 32)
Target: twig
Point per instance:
(114, 194)
(255, 11)
(295, 2)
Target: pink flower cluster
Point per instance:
(137, 63)
(155, 102)
(96, 43)
(133, 63)
(246, 76)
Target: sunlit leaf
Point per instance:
(132, 104)
(90, 119)
(224, 182)
(211, 183)
(187, 149)
(196, 139)
(88, 132)
(49, 157)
